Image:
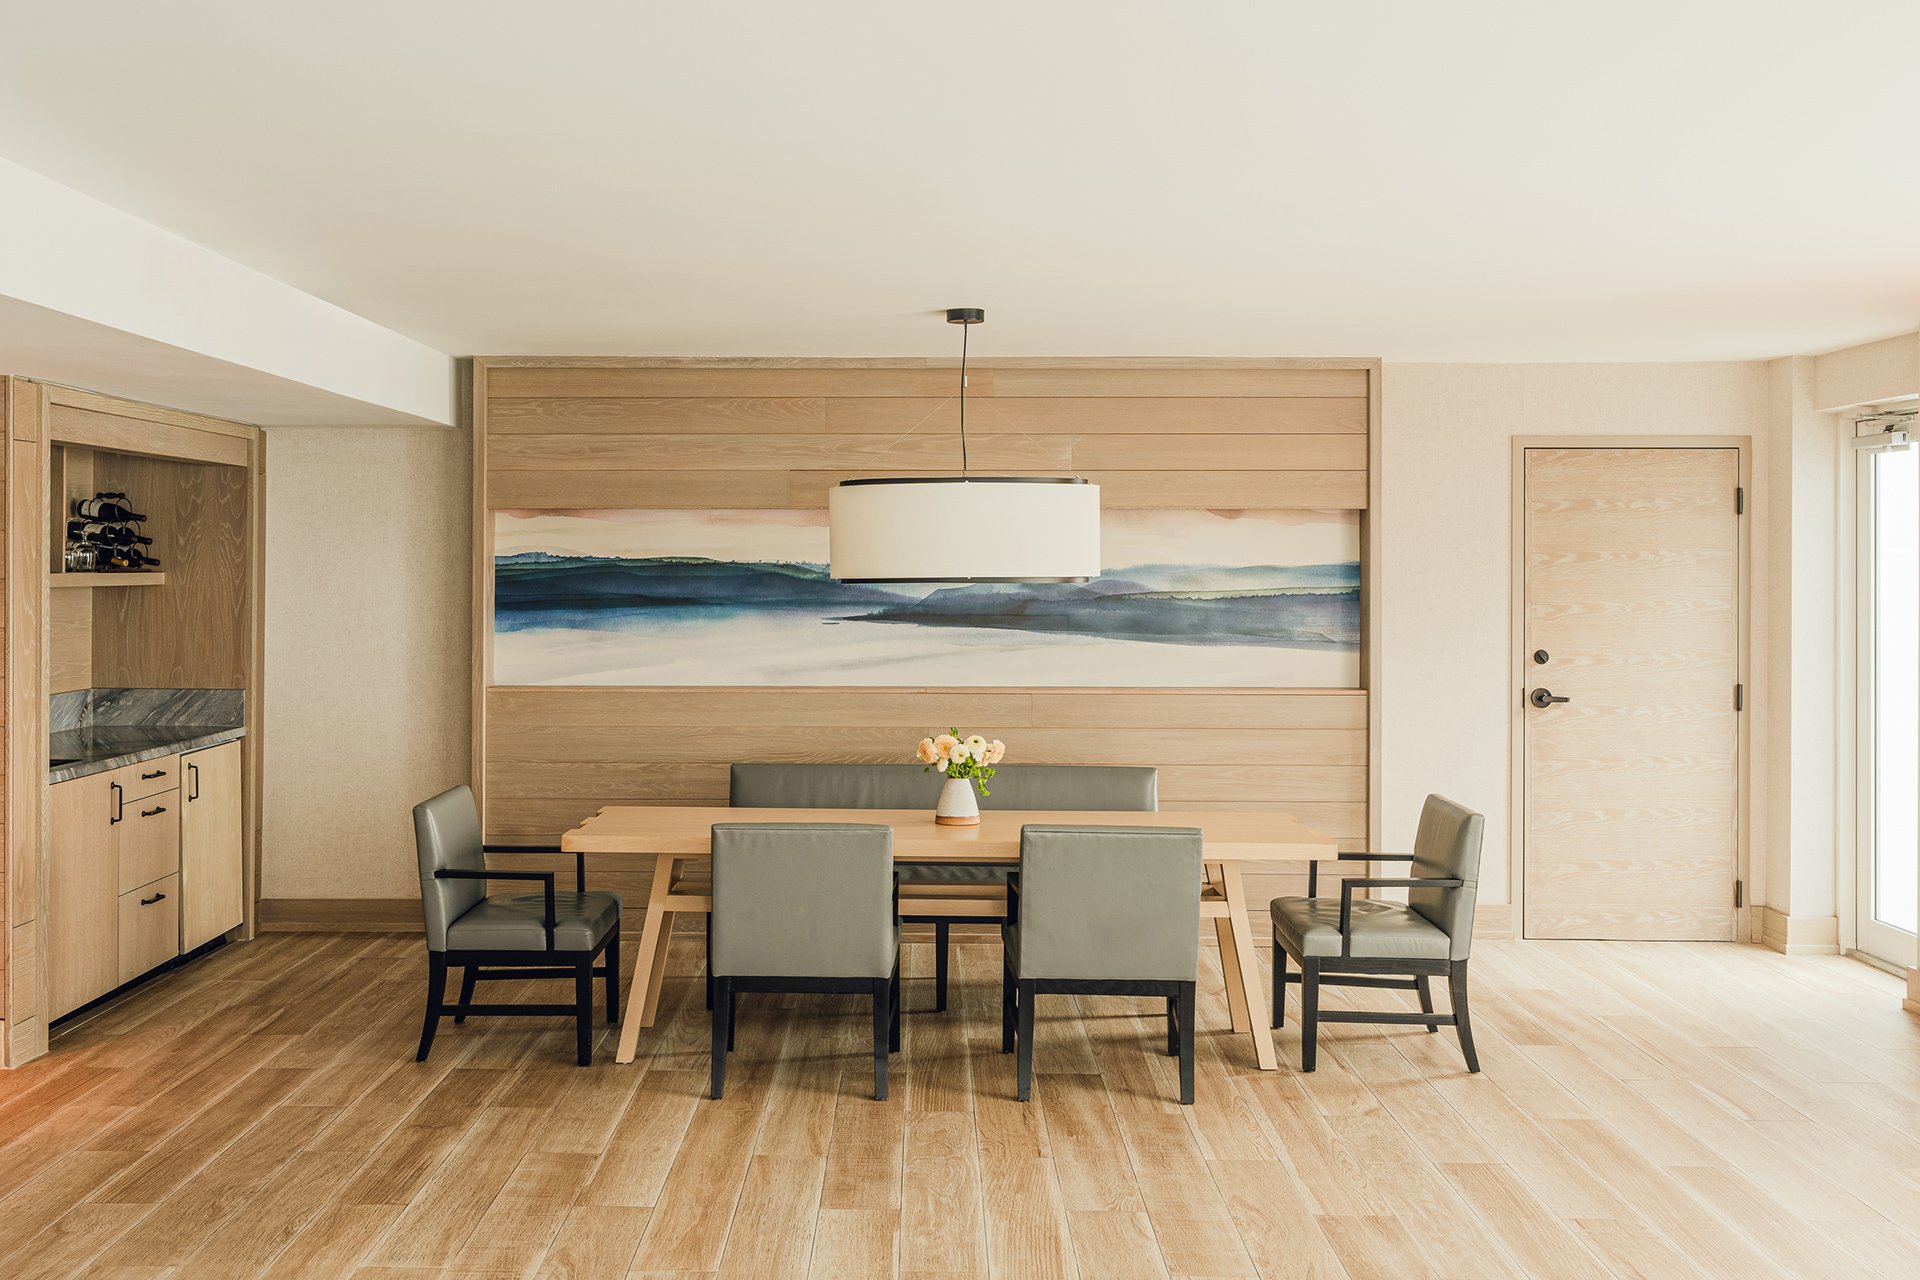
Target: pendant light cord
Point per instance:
(963, 400)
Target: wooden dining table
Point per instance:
(676, 835)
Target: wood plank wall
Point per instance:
(560, 434)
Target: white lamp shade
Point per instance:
(979, 529)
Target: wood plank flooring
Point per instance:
(1647, 1110)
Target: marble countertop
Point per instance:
(76, 753)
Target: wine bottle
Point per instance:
(106, 535)
(104, 507)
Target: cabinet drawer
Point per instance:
(149, 927)
(148, 777)
(149, 831)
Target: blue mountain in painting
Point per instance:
(1295, 606)
(535, 580)
(1124, 609)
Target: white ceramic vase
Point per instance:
(958, 806)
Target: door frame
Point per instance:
(1745, 915)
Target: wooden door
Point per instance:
(83, 891)
(1632, 615)
(212, 899)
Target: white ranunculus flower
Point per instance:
(942, 766)
(977, 747)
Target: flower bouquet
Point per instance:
(967, 762)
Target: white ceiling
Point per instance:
(1495, 180)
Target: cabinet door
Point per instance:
(83, 891)
(212, 889)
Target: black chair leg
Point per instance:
(469, 974)
(709, 960)
(1426, 1001)
(1309, 1011)
(882, 1024)
(613, 977)
(1173, 1025)
(1279, 986)
(940, 935)
(1186, 1003)
(583, 1011)
(893, 1003)
(436, 996)
(1023, 1046)
(721, 1035)
(1457, 985)
(729, 997)
(1007, 1008)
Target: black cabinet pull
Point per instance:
(119, 802)
(193, 782)
(149, 777)
(158, 897)
(148, 813)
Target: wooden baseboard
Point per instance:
(340, 915)
(1799, 935)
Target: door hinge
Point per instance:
(1739, 697)
(1739, 500)
(1739, 893)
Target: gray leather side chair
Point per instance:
(909, 786)
(507, 935)
(1370, 943)
(1103, 911)
(805, 907)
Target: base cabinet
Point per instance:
(212, 890)
(144, 862)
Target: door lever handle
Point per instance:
(1544, 698)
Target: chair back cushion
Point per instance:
(1447, 846)
(1109, 902)
(803, 899)
(446, 834)
(910, 786)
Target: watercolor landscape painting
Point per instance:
(743, 598)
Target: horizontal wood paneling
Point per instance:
(779, 433)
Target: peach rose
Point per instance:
(926, 752)
(996, 751)
(943, 746)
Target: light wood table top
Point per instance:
(687, 831)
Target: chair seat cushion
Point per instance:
(1310, 928)
(517, 922)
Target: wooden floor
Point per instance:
(1646, 1110)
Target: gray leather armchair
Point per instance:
(549, 934)
(909, 786)
(805, 907)
(1353, 942)
(1103, 911)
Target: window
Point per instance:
(1889, 671)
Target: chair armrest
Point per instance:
(545, 878)
(579, 858)
(1381, 882)
(1313, 868)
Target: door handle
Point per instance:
(1544, 698)
(148, 813)
(158, 897)
(193, 782)
(119, 802)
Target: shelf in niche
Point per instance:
(72, 580)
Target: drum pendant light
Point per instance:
(964, 528)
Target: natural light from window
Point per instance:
(1896, 688)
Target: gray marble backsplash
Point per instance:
(95, 708)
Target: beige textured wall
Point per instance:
(367, 652)
(1446, 566)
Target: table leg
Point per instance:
(657, 980)
(639, 999)
(1238, 1013)
(1246, 978)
